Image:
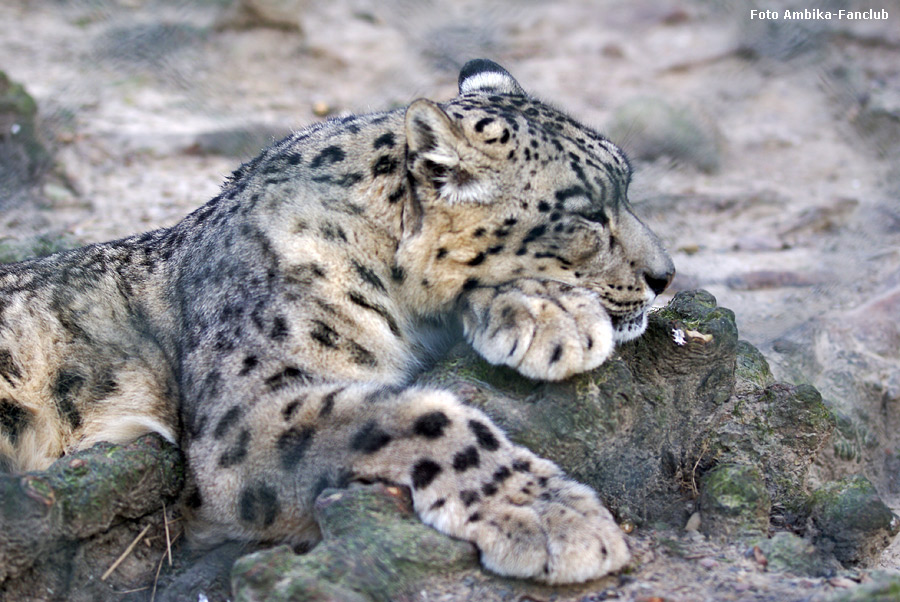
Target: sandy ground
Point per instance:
(150, 104)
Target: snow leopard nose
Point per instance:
(659, 282)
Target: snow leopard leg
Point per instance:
(467, 479)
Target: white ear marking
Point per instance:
(483, 80)
(482, 75)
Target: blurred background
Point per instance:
(766, 150)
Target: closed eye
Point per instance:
(578, 201)
(597, 216)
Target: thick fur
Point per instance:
(272, 332)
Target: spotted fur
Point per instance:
(273, 332)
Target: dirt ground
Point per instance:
(766, 150)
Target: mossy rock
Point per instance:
(373, 548)
(691, 307)
(752, 372)
(851, 519)
(734, 501)
(644, 427)
(686, 406)
(781, 428)
(23, 157)
(789, 553)
(61, 524)
(883, 586)
(632, 428)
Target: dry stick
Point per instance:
(130, 591)
(704, 447)
(158, 569)
(124, 554)
(168, 539)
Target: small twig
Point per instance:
(125, 554)
(704, 447)
(168, 538)
(158, 569)
(125, 592)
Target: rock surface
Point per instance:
(734, 501)
(851, 519)
(373, 548)
(64, 527)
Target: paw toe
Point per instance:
(589, 553)
(563, 535)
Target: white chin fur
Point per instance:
(476, 192)
(630, 329)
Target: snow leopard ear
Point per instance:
(440, 156)
(431, 136)
(481, 76)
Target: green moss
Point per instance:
(474, 369)
(798, 410)
(852, 502)
(882, 586)
(734, 500)
(694, 310)
(14, 98)
(373, 548)
(19, 108)
(791, 553)
(665, 315)
(851, 519)
(791, 493)
(691, 305)
(752, 366)
(39, 487)
(810, 408)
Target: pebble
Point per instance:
(693, 523)
(842, 582)
(321, 108)
(613, 51)
(760, 557)
(708, 563)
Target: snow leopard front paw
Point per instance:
(545, 526)
(545, 330)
